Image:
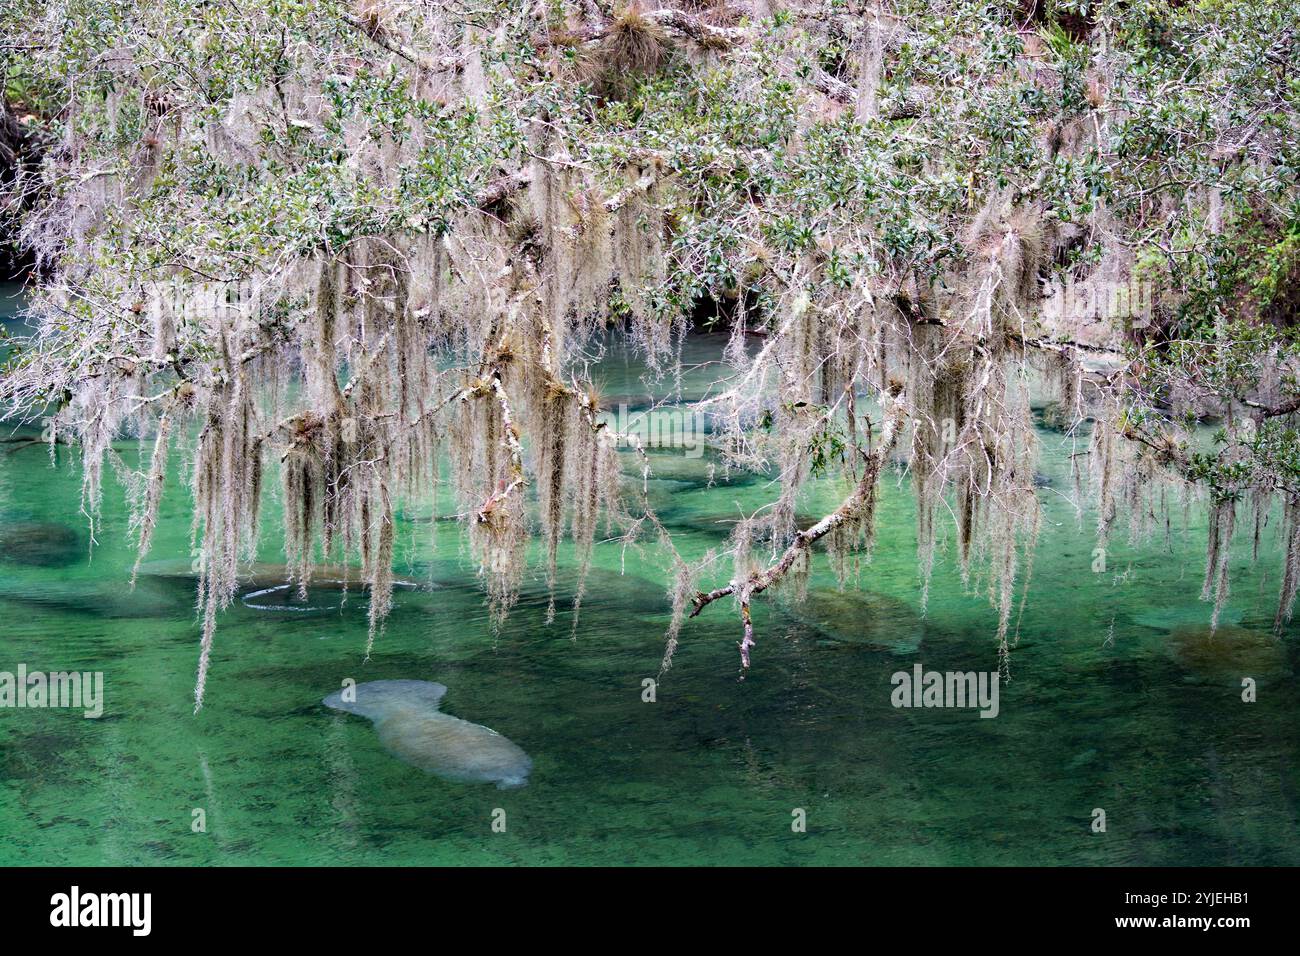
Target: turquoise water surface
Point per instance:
(1120, 699)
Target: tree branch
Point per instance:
(375, 32)
(760, 581)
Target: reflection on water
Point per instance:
(1119, 699)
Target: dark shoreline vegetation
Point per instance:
(966, 329)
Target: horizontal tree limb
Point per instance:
(760, 581)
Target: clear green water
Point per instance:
(1148, 726)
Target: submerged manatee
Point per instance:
(263, 575)
(1228, 653)
(410, 726)
(40, 544)
(721, 523)
(861, 617)
(269, 587)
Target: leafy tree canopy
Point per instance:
(337, 237)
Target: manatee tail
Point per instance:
(376, 699)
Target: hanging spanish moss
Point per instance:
(410, 236)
